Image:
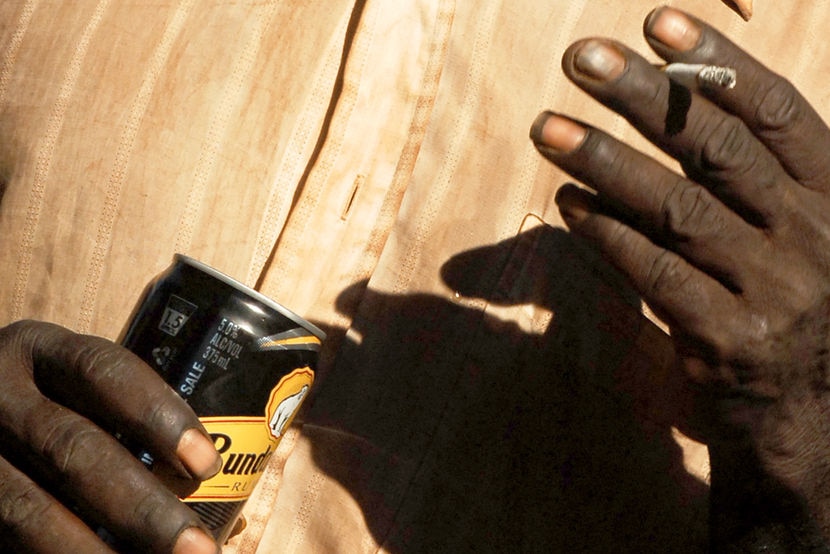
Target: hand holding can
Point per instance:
(244, 364)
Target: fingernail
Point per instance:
(198, 454)
(599, 60)
(557, 132)
(195, 541)
(674, 29)
(572, 205)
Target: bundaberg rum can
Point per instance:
(244, 364)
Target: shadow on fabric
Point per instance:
(458, 430)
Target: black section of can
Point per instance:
(199, 330)
(202, 331)
(217, 514)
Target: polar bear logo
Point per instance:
(285, 409)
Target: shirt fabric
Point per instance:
(488, 384)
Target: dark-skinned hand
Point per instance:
(63, 474)
(734, 254)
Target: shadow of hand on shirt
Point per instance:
(531, 412)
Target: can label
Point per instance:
(244, 364)
(247, 443)
(176, 314)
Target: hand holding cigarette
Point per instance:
(734, 254)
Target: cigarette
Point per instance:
(711, 76)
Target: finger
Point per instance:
(714, 147)
(683, 296)
(742, 7)
(674, 212)
(33, 521)
(769, 105)
(113, 387)
(173, 480)
(86, 467)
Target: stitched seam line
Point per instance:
(441, 185)
(291, 167)
(13, 48)
(293, 162)
(409, 155)
(45, 154)
(531, 163)
(214, 141)
(259, 509)
(390, 207)
(291, 241)
(302, 519)
(124, 151)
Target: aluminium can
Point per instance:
(243, 362)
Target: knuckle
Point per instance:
(18, 334)
(614, 160)
(726, 146)
(159, 510)
(798, 290)
(70, 442)
(617, 236)
(98, 367)
(21, 502)
(23, 326)
(599, 150)
(665, 275)
(30, 332)
(607, 159)
(739, 335)
(147, 506)
(655, 92)
(778, 107)
(97, 360)
(688, 211)
(167, 413)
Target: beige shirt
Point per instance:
(488, 384)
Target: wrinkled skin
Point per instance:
(734, 255)
(63, 397)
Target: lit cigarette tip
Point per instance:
(713, 75)
(691, 75)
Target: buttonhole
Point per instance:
(347, 207)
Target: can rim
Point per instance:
(256, 295)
